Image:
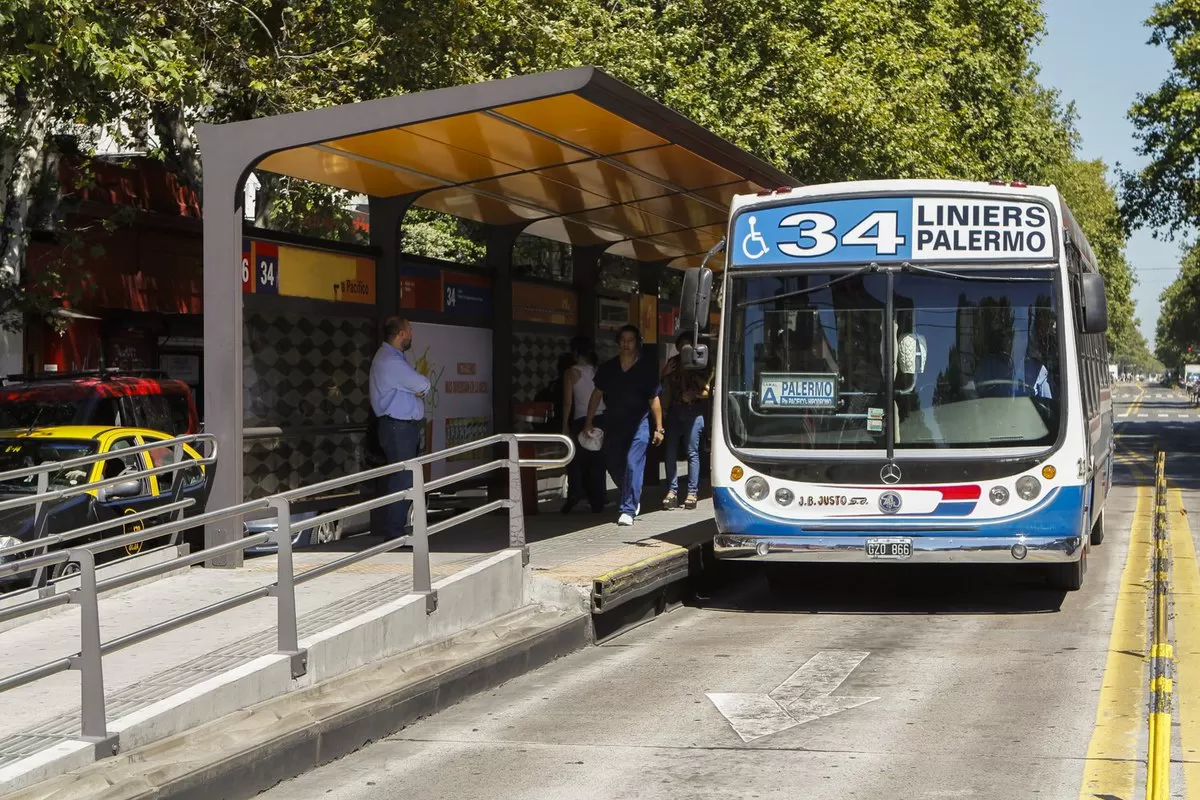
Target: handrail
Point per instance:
(88, 661)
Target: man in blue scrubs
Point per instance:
(398, 399)
(629, 387)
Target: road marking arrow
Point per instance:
(803, 697)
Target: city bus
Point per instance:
(907, 371)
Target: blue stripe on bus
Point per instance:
(1060, 513)
(952, 508)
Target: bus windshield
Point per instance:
(976, 360)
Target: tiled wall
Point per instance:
(302, 372)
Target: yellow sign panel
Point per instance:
(323, 275)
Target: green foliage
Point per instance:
(434, 235)
(1166, 192)
(826, 89)
(1093, 200)
(1179, 320)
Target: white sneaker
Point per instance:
(637, 511)
(625, 519)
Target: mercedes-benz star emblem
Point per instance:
(890, 473)
(889, 502)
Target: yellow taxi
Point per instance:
(20, 449)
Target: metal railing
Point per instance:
(44, 497)
(89, 660)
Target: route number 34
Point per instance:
(815, 236)
(267, 274)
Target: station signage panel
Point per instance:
(290, 271)
(894, 229)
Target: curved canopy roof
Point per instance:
(575, 155)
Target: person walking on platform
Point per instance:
(629, 388)
(585, 475)
(687, 397)
(398, 400)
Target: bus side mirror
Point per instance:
(1093, 303)
(693, 315)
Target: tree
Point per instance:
(1166, 192)
(1093, 201)
(66, 67)
(1179, 320)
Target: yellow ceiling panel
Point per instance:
(626, 219)
(462, 202)
(685, 210)
(497, 140)
(406, 149)
(543, 192)
(607, 180)
(571, 118)
(345, 172)
(678, 165)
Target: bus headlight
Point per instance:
(998, 495)
(757, 488)
(1028, 487)
(784, 496)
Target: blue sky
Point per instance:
(1095, 53)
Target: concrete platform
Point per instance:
(197, 673)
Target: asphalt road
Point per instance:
(898, 682)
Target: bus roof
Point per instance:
(896, 186)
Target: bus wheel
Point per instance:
(1069, 576)
(1098, 529)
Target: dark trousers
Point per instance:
(585, 475)
(400, 440)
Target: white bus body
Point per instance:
(991, 442)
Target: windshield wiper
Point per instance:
(958, 276)
(809, 290)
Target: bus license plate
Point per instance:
(889, 548)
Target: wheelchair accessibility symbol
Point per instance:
(754, 246)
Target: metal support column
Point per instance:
(649, 276)
(586, 274)
(223, 343)
(500, 241)
(387, 233)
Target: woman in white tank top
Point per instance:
(585, 475)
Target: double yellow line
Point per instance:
(1136, 405)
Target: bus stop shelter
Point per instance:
(574, 156)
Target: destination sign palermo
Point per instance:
(888, 229)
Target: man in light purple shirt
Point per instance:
(398, 400)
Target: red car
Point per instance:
(107, 398)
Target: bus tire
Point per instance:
(1068, 577)
(1098, 529)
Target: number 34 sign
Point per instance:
(892, 228)
(260, 267)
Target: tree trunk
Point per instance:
(175, 138)
(264, 198)
(26, 159)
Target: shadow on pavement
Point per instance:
(885, 589)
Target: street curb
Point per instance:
(261, 767)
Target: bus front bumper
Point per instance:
(924, 549)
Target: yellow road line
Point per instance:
(1112, 754)
(1186, 596)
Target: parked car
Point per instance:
(307, 537)
(26, 448)
(108, 398)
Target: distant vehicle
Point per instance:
(23, 448)
(109, 398)
(908, 371)
(324, 533)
